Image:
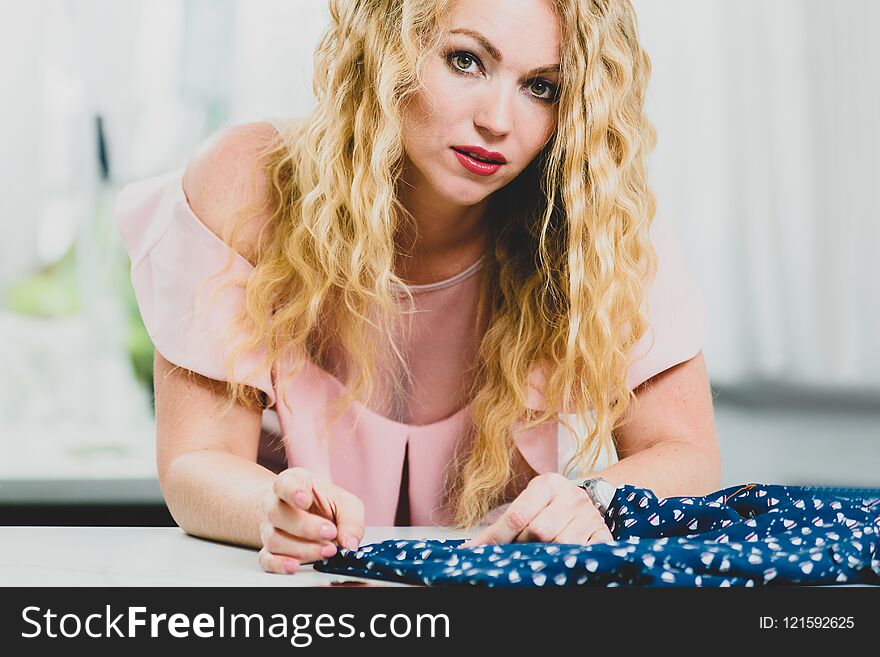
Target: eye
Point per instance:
(551, 88)
(454, 57)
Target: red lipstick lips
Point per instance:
(478, 160)
(491, 156)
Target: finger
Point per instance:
(537, 495)
(294, 486)
(578, 531)
(315, 516)
(298, 522)
(601, 535)
(587, 525)
(279, 542)
(276, 563)
(349, 518)
(599, 530)
(551, 520)
(312, 527)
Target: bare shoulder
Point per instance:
(226, 184)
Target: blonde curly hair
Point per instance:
(567, 270)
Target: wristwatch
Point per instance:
(600, 491)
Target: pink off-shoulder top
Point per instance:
(391, 455)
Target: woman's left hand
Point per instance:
(552, 509)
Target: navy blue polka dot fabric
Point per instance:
(749, 535)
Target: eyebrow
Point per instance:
(496, 54)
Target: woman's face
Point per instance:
(484, 89)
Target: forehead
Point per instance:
(527, 31)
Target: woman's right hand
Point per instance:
(304, 518)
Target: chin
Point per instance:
(466, 193)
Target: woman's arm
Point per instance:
(207, 465)
(670, 443)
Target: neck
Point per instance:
(449, 237)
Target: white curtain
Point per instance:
(767, 114)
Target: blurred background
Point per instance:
(766, 165)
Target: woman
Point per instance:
(454, 247)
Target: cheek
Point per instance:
(444, 102)
(544, 137)
(546, 133)
(423, 122)
(414, 128)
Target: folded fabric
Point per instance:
(749, 535)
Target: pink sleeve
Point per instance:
(676, 312)
(173, 256)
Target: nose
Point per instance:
(495, 108)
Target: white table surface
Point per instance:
(156, 556)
